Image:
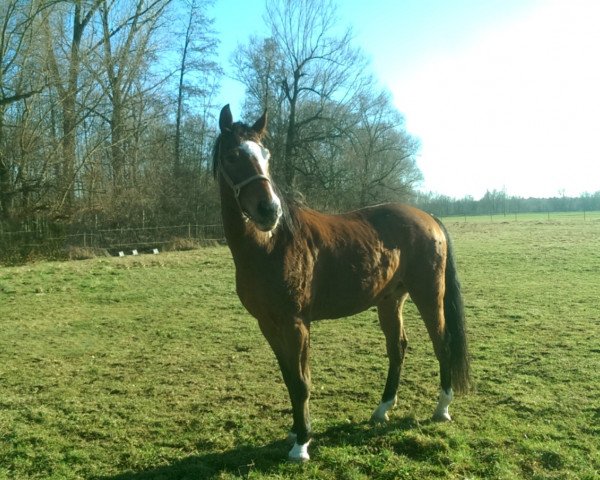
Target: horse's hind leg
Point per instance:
(389, 311)
(431, 308)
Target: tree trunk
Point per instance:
(67, 179)
(182, 71)
(117, 155)
(290, 138)
(68, 98)
(5, 188)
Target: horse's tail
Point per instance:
(455, 334)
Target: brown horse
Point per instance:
(295, 265)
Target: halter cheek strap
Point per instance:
(237, 187)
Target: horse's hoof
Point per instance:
(299, 453)
(441, 417)
(380, 414)
(301, 459)
(440, 413)
(378, 418)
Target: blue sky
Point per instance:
(503, 94)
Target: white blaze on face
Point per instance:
(259, 152)
(262, 156)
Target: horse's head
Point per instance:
(243, 163)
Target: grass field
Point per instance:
(149, 368)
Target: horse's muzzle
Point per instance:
(268, 214)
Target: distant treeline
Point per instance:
(499, 203)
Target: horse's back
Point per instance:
(417, 234)
(400, 226)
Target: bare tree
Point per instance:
(383, 152)
(319, 69)
(335, 135)
(18, 82)
(197, 67)
(87, 111)
(127, 31)
(16, 21)
(64, 59)
(260, 66)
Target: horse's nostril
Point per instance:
(267, 209)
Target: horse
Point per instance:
(294, 265)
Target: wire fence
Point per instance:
(524, 217)
(44, 238)
(145, 236)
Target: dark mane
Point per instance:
(289, 218)
(215, 156)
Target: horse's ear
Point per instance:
(260, 126)
(225, 119)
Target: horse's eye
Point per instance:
(233, 156)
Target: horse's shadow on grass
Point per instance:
(242, 460)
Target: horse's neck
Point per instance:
(233, 222)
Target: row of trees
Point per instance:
(107, 110)
(497, 202)
(92, 105)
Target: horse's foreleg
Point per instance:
(296, 356)
(390, 320)
(290, 342)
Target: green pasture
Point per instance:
(149, 368)
(578, 216)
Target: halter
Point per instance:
(237, 187)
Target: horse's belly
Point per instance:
(351, 292)
(314, 287)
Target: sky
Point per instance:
(502, 94)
